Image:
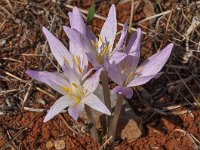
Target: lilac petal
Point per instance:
(59, 51)
(141, 80)
(75, 110)
(79, 41)
(71, 74)
(158, 75)
(156, 62)
(109, 29)
(117, 57)
(55, 80)
(90, 35)
(122, 37)
(79, 46)
(92, 59)
(92, 82)
(76, 21)
(126, 91)
(136, 36)
(133, 49)
(94, 102)
(114, 72)
(87, 74)
(58, 106)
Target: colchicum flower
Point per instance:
(77, 90)
(73, 61)
(126, 73)
(98, 49)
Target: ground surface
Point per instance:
(167, 106)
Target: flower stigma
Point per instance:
(105, 48)
(75, 92)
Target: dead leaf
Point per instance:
(149, 10)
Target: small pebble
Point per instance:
(59, 144)
(49, 145)
(41, 101)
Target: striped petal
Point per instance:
(109, 29)
(156, 62)
(56, 81)
(122, 37)
(76, 21)
(126, 91)
(92, 82)
(94, 102)
(59, 51)
(141, 80)
(76, 110)
(58, 106)
(133, 49)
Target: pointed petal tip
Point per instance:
(126, 22)
(112, 6)
(45, 120)
(168, 48)
(139, 30)
(113, 9)
(30, 72)
(75, 117)
(171, 45)
(45, 30)
(75, 8)
(66, 28)
(108, 113)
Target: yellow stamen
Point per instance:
(66, 88)
(101, 40)
(75, 85)
(74, 59)
(97, 57)
(79, 69)
(94, 44)
(66, 61)
(104, 50)
(82, 92)
(139, 69)
(129, 76)
(77, 62)
(77, 99)
(70, 91)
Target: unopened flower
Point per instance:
(98, 49)
(77, 90)
(126, 73)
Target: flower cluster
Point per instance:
(120, 62)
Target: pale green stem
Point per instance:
(106, 94)
(106, 90)
(115, 117)
(93, 130)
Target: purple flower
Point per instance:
(126, 73)
(98, 49)
(72, 83)
(73, 61)
(75, 94)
